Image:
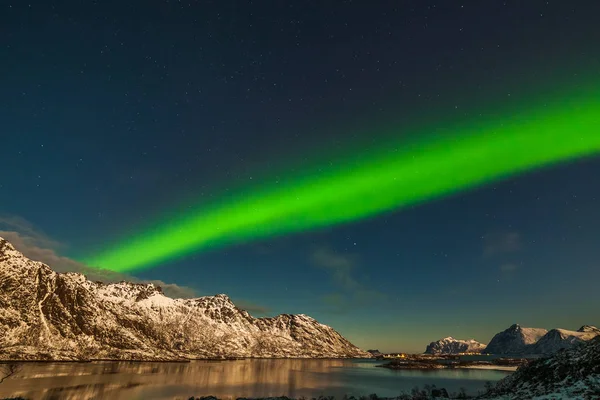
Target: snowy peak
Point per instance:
(11, 257)
(558, 339)
(51, 316)
(517, 340)
(6, 248)
(514, 340)
(449, 345)
(129, 290)
(584, 335)
(588, 328)
(216, 301)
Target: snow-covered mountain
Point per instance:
(569, 374)
(557, 339)
(517, 340)
(450, 345)
(53, 316)
(514, 340)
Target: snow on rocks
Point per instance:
(449, 345)
(568, 374)
(514, 340)
(51, 316)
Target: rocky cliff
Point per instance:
(52, 316)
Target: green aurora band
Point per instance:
(394, 176)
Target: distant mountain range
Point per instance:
(450, 345)
(558, 339)
(518, 341)
(45, 315)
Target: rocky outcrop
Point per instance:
(45, 315)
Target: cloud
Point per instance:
(336, 302)
(325, 257)
(252, 308)
(507, 268)
(501, 243)
(351, 292)
(28, 231)
(340, 266)
(172, 290)
(39, 247)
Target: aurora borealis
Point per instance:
(401, 171)
(382, 181)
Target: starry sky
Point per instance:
(117, 115)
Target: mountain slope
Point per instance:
(569, 374)
(47, 315)
(514, 340)
(450, 345)
(557, 339)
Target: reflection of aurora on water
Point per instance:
(445, 161)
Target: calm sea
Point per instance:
(230, 379)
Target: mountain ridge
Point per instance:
(518, 341)
(45, 315)
(450, 345)
(514, 340)
(558, 339)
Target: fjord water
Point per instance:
(229, 379)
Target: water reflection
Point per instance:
(227, 379)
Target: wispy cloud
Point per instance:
(37, 246)
(351, 292)
(501, 243)
(509, 267)
(336, 302)
(29, 232)
(339, 265)
(252, 308)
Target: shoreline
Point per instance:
(503, 368)
(429, 364)
(181, 361)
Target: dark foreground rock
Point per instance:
(568, 374)
(416, 394)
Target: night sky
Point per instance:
(118, 117)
